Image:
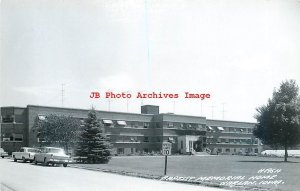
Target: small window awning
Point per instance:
(122, 123)
(220, 128)
(133, 139)
(171, 139)
(209, 128)
(241, 130)
(107, 121)
(41, 117)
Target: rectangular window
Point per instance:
(146, 139)
(170, 124)
(227, 150)
(146, 125)
(42, 117)
(121, 123)
(146, 150)
(5, 139)
(18, 137)
(157, 139)
(107, 122)
(132, 150)
(8, 119)
(181, 144)
(120, 151)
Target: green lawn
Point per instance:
(205, 166)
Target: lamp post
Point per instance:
(0, 129)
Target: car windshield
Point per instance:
(33, 150)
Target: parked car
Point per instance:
(25, 154)
(3, 153)
(52, 155)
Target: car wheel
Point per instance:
(2, 156)
(35, 162)
(23, 159)
(15, 160)
(45, 162)
(65, 164)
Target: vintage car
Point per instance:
(51, 155)
(3, 153)
(25, 154)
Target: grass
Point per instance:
(200, 166)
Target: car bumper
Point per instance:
(4, 155)
(59, 161)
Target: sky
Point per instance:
(56, 52)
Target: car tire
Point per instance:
(2, 156)
(35, 162)
(23, 159)
(15, 160)
(65, 164)
(45, 163)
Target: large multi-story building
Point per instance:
(133, 133)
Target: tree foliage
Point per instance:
(93, 143)
(55, 130)
(279, 120)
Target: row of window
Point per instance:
(12, 137)
(110, 123)
(8, 119)
(236, 150)
(177, 125)
(229, 129)
(235, 141)
(128, 151)
(144, 139)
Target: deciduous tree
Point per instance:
(279, 120)
(56, 130)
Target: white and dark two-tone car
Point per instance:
(52, 156)
(25, 154)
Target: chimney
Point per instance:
(150, 109)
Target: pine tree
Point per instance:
(93, 143)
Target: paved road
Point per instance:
(29, 177)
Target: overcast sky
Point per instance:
(237, 51)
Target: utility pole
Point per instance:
(201, 108)
(212, 111)
(174, 106)
(223, 110)
(62, 94)
(127, 101)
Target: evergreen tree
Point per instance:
(279, 121)
(93, 143)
